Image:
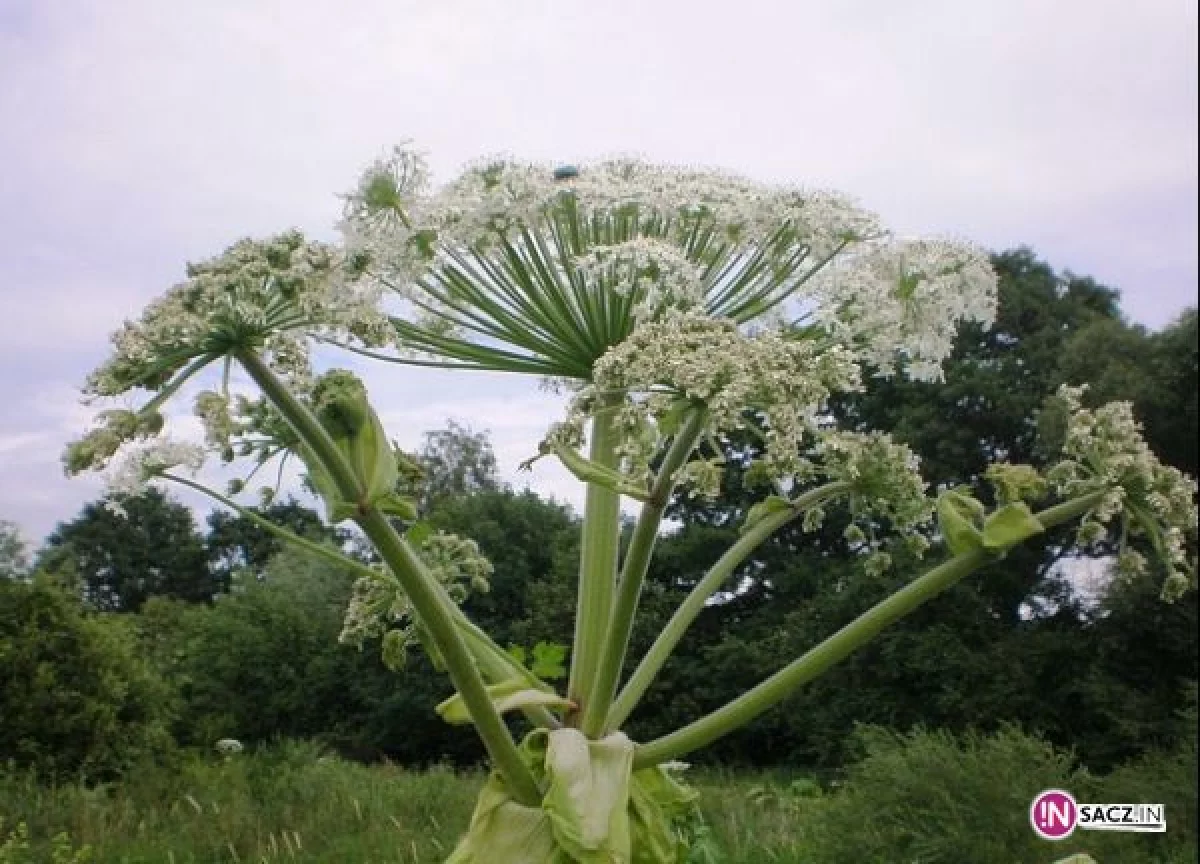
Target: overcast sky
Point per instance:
(138, 134)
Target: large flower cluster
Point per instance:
(541, 260)
(1105, 451)
(143, 462)
(264, 295)
(393, 208)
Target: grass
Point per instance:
(290, 803)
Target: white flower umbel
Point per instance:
(264, 295)
(904, 302)
(379, 608)
(142, 462)
(884, 477)
(523, 267)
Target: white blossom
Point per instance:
(904, 302)
(884, 476)
(688, 355)
(586, 239)
(144, 461)
(380, 609)
(268, 294)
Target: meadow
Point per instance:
(927, 797)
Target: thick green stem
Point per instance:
(439, 620)
(424, 592)
(689, 610)
(854, 635)
(633, 574)
(597, 561)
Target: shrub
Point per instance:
(928, 797)
(75, 696)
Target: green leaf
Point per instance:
(511, 695)
(658, 806)
(548, 660)
(517, 652)
(1009, 525)
(418, 533)
(763, 509)
(960, 518)
(502, 830)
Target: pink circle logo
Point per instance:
(1053, 814)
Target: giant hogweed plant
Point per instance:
(674, 308)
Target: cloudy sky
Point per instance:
(138, 134)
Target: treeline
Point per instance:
(134, 635)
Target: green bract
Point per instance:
(595, 809)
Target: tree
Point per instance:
(14, 562)
(236, 543)
(456, 461)
(126, 550)
(76, 695)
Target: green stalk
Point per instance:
(172, 388)
(633, 574)
(652, 663)
(854, 635)
(422, 589)
(597, 561)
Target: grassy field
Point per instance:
(290, 804)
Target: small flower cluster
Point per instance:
(94, 451)
(379, 608)
(884, 477)
(1105, 450)
(688, 355)
(228, 747)
(143, 462)
(258, 294)
(658, 272)
(904, 302)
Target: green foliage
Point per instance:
(234, 543)
(16, 848)
(77, 697)
(121, 560)
(930, 796)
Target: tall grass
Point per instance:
(924, 798)
(290, 803)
